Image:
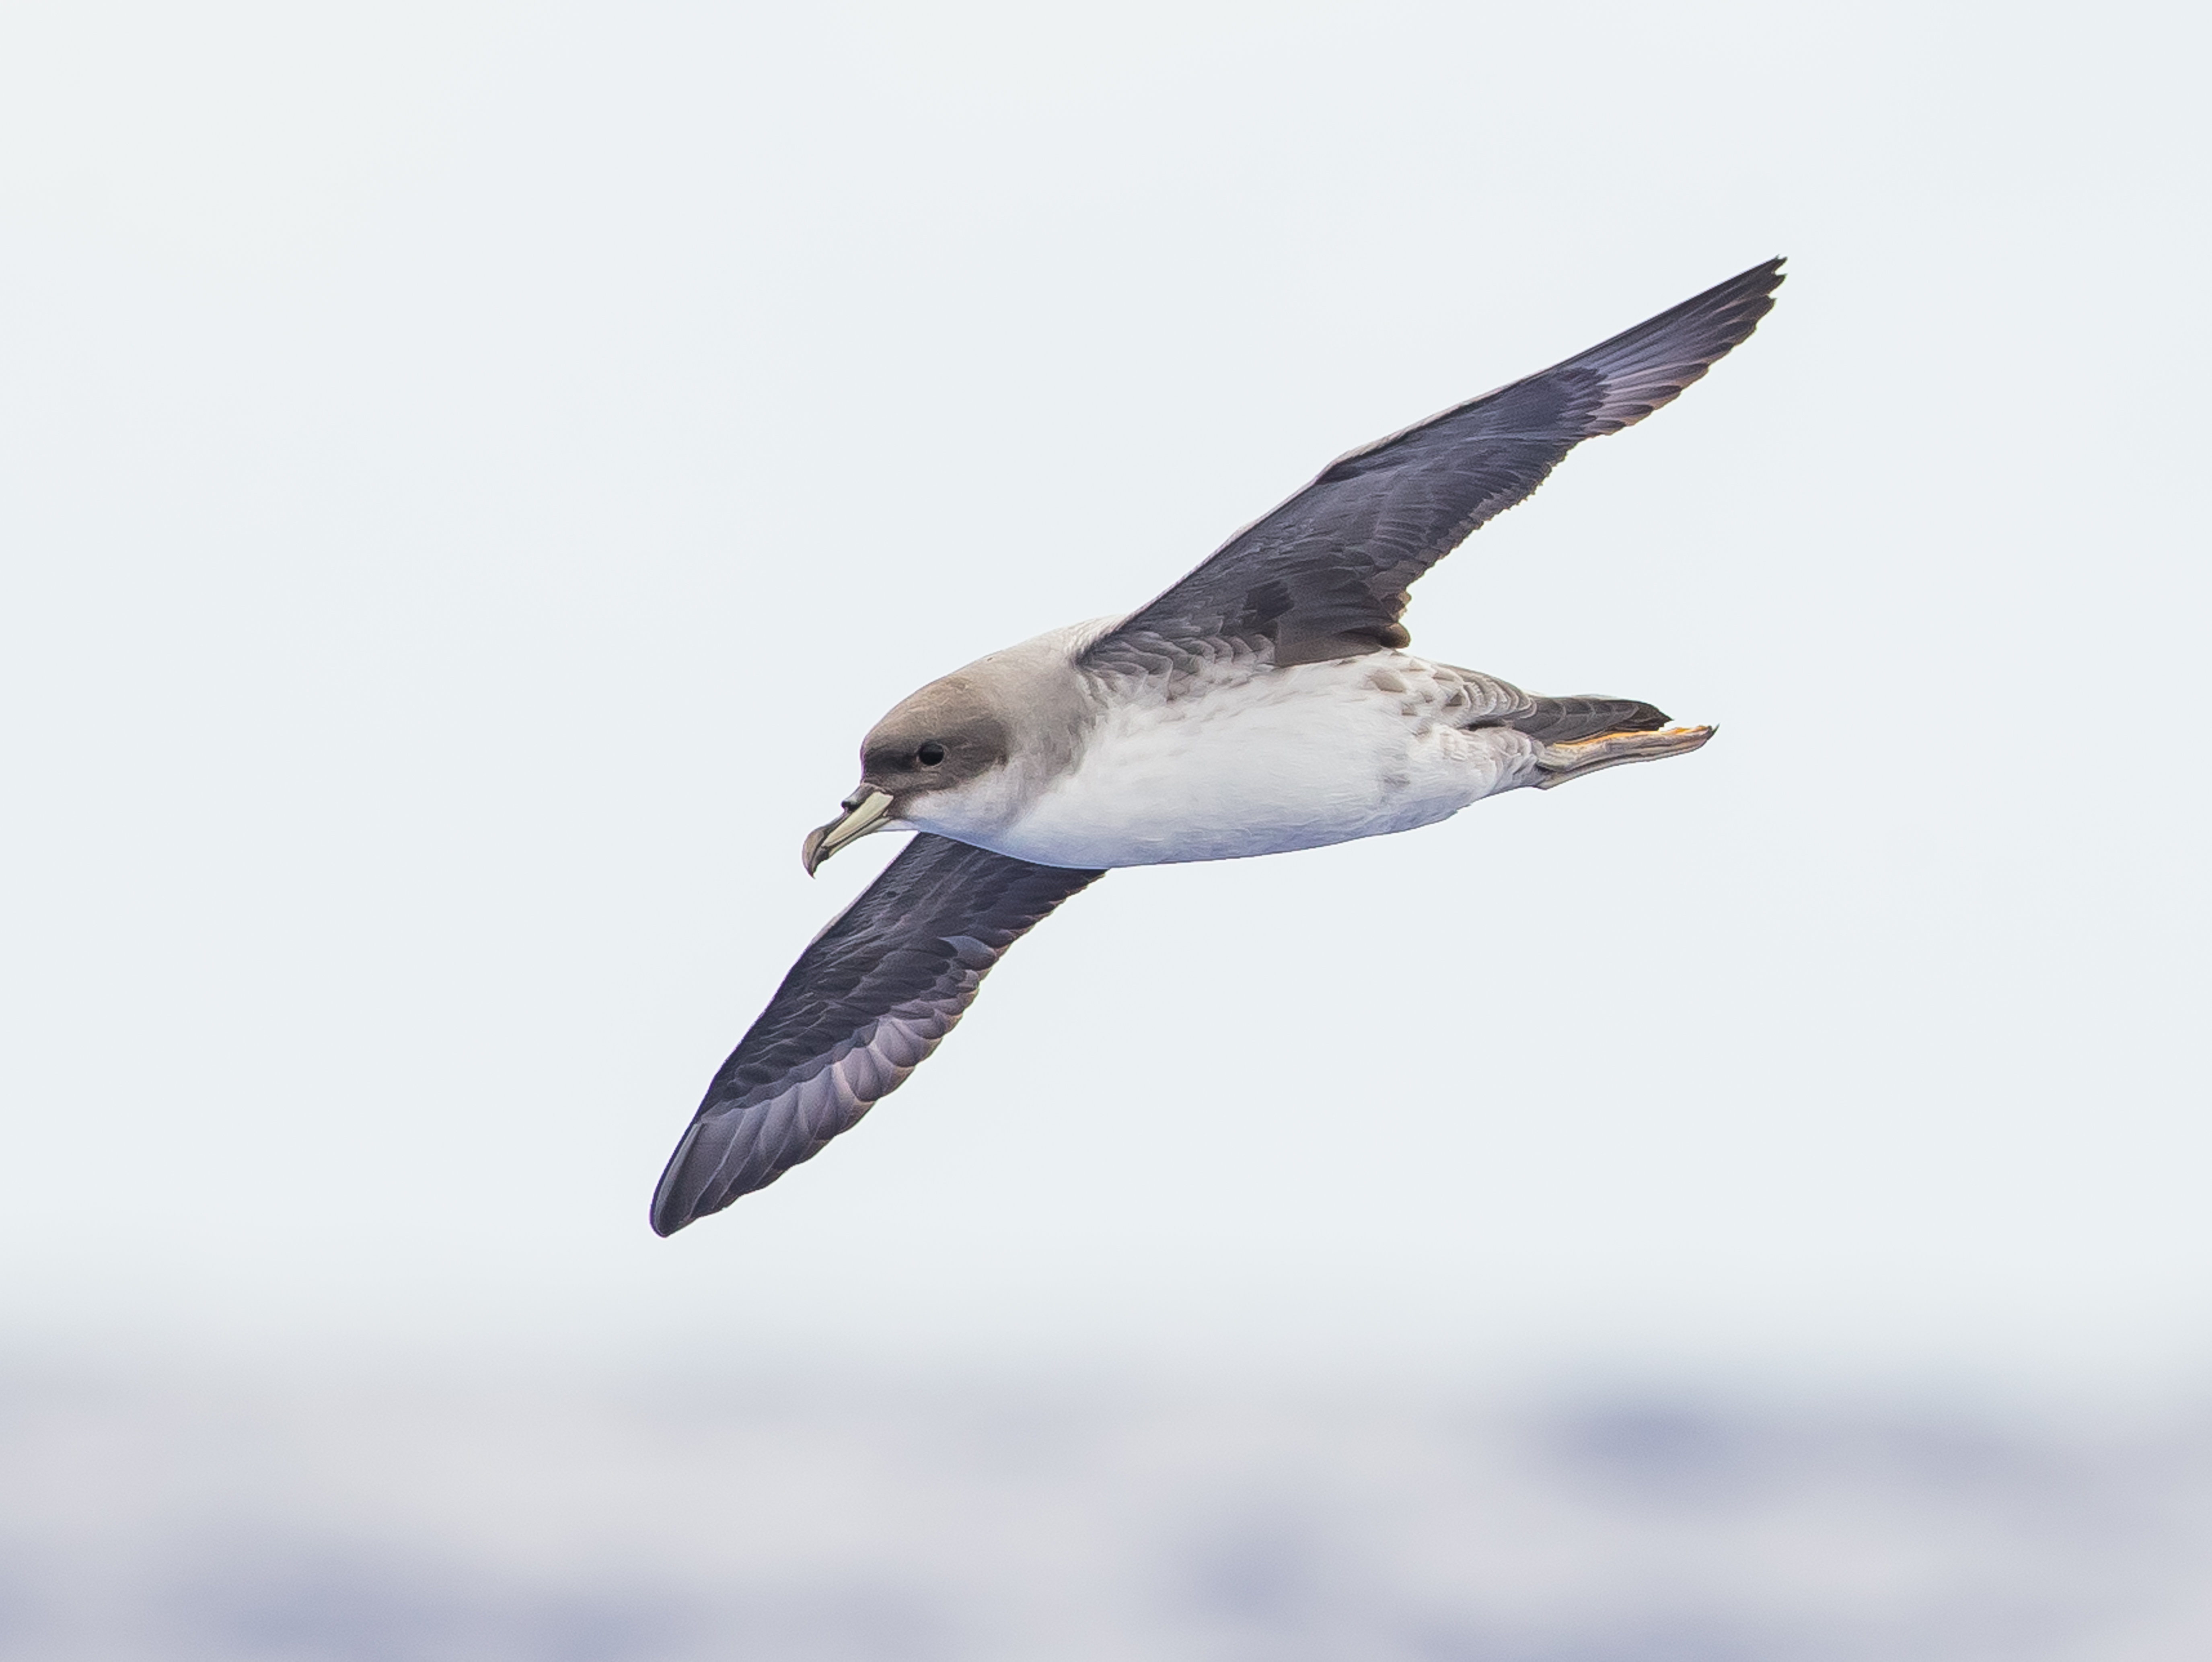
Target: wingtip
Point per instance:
(1751, 289)
(670, 1211)
(1759, 282)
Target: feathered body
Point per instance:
(1226, 759)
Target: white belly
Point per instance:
(1268, 762)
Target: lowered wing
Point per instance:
(858, 1013)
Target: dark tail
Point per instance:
(1567, 721)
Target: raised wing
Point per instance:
(858, 1013)
(1325, 575)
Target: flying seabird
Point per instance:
(1266, 702)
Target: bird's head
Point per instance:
(935, 759)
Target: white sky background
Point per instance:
(469, 477)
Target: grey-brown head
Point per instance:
(945, 739)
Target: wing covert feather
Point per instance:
(868, 1001)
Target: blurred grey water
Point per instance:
(547, 1521)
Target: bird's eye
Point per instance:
(929, 754)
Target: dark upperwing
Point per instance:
(1326, 575)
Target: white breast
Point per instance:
(1260, 761)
